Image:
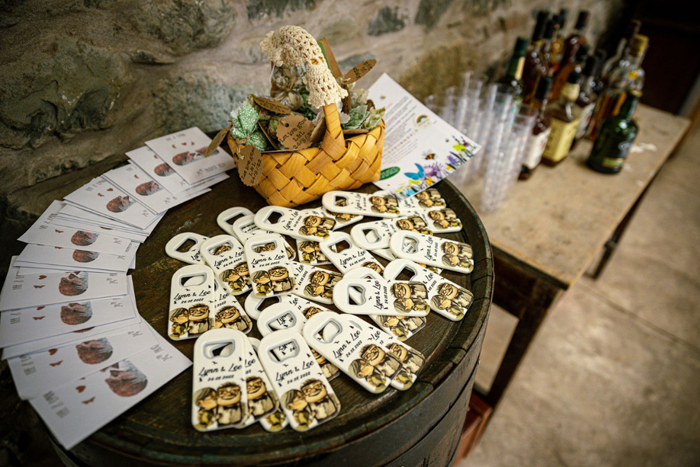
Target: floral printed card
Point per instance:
(420, 148)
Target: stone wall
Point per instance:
(84, 81)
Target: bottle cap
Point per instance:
(551, 27)
(582, 20)
(544, 87)
(563, 16)
(574, 77)
(521, 46)
(542, 18)
(639, 45)
(582, 52)
(591, 65)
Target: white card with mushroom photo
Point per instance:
(143, 188)
(76, 410)
(185, 247)
(432, 251)
(228, 312)
(225, 255)
(104, 198)
(276, 420)
(270, 268)
(39, 372)
(29, 324)
(309, 224)
(306, 396)
(363, 204)
(47, 289)
(345, 255)
(184, 152)
(314, 283)
(191, 302)
(244, 228)
(77, 259)
(219, 392)
(444, 296)
(42, 232)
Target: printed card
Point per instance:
(29, 324)
(76, 410)
(184, 153)
(143, 188)
(77, 259)
(75, 213)
(60, 222)
(37, 373)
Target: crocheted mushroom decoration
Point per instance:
(292, 45)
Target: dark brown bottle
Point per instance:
(576, 65)
(535, 65)
(558, 43)
(540, 130)
(585, 103)
(571, 46)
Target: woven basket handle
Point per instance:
(292, 45)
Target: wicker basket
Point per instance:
(297, 177)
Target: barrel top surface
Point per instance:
(159, 430)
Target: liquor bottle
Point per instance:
(535, 65)
(628, 77)
(585, 103)
(558, 44)
(576, 65)
(513, 77)
(598, 85)
(571, 46)
(548, 39)
(621, 55)
(540, 130)
(564, 123)
(615, 138)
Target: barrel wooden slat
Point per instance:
(374, 428)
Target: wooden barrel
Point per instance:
(415, 427)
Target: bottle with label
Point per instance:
(575, 65)
(571, 46)
(513, 77)
(558, 43)
(622, 53)
(535, 65)
(615, 138)
(564, 123)
(629, 77)
(540, 131)
(585, 103)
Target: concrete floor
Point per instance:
(613, 377)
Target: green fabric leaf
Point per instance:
(373, 119)
(248, 118)
(257, 139)
(357, 116)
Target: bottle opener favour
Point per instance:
(411, 359)
(244, 229)
(310, 224)
(363, 204)
(443, 220)
(373, 235)
(350, 257)
(306, 396)
(310, 253)
(432, 251)
(400, 326)
(342, 219)
(445, 297)
(191, 302)
(427, 199)
(232, 214)
(185, 247)
(225, 255)
(228, 313)
(373, 295)
(260, 392)
(314, 283)
(219, 393)
(280, 316)
(270, 270)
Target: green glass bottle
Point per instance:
(615, 138)
(514, 74)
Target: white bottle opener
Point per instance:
(228, 313)
(219, 396)
(270, 270)
(342, 219)
(314, 283)
(276, 420)
(306, 396)
(310, 253)
(373, 235)
(244, 229)
(309, 224)
(225, 255)
(346, 345)
(363, 204)
(445, 297)
(411, 359)
(190, 255)
(351, 257)
(433, 251)
(376, 296)
(307, 308)
(224, 219)
(400, 326)
(280, 316)
(427, 199)
(262, 400)
(191, 302)
(443, 220)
